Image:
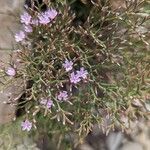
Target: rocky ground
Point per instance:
(138, 139)
(12, 138)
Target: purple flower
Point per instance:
(20, 36)
(35, 22)
(44, 19)
(68, 65)
(11, 71)
(28, 28)
(46, 102)
(51, 13)
(25, 18)
(26, 125)
(63, 96)
(74, 78)
(82, 73)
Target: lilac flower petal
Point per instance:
(28, 29)
(82, 73)
(26, 125)
(49, 104)
(46, 102)
(25, 18)
(51, 13)
(44, 19)
(35, 22)
(11, 71)
(63, 96)
(68, 65)
(20, 36)
(74, 78)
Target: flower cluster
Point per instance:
(62, 96)
(77, 76)
(47, 102)
(47, 17)
(29, 22)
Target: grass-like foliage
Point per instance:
(82, 70)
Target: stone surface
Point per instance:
(85, 147)
(137, 139)
(9, 14)
(114, 140)
(118, 4)
(132, 146)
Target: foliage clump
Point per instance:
(78, 74)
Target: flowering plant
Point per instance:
(79, 76)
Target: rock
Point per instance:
(132, 146)
(33, 147)
(27, 141)
(21, 147)
(118, 4)
(9, 14)
(114, 140)
(9, 11)
(1, 142)
(142, 135)
(10, 93)
(85, 147)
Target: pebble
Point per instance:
(85, 147)
(132, 146)
(21, 147)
